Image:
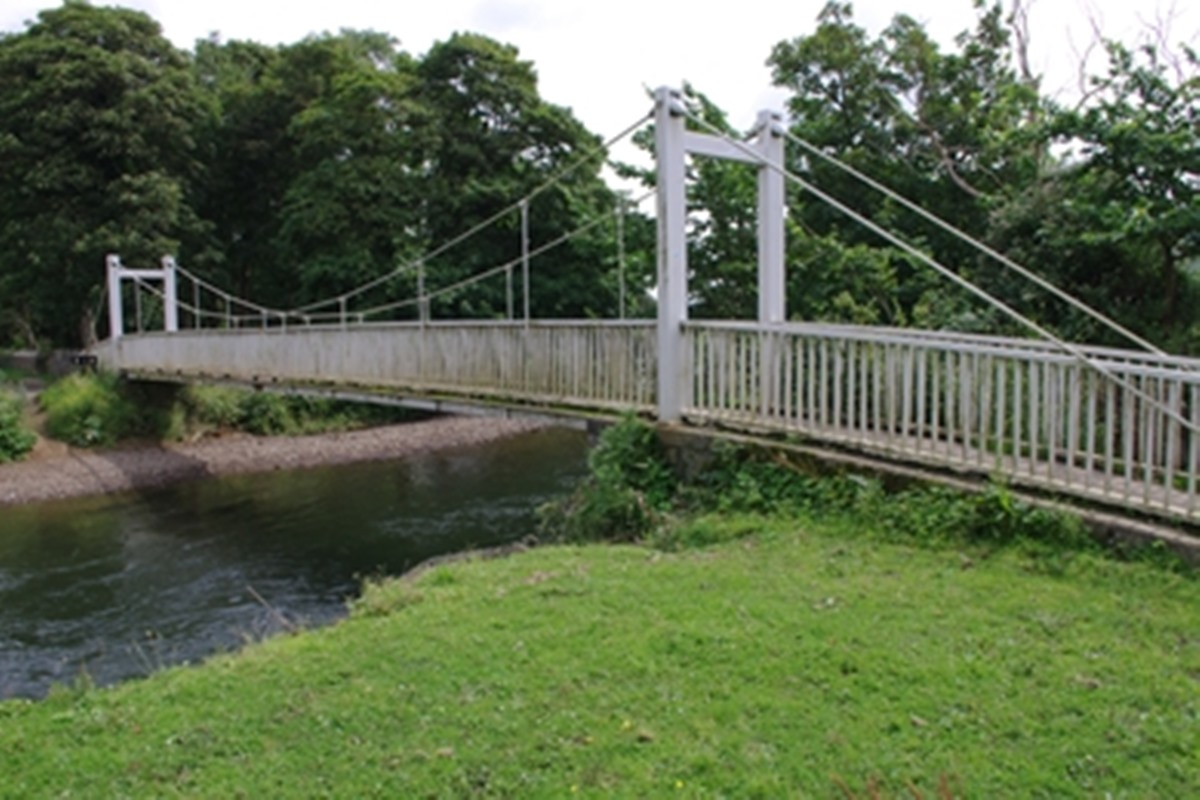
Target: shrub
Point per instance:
(212, 406)
(15, 438)
(630, 486)
(88, 410)
(266, 414)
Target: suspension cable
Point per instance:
(946, 272)
(978, 245)
(545, 186)
(230, 297)
(507, 265)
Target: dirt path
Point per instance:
(57, 471)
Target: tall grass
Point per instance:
(16, 439)
(88, 410)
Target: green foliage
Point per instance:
(215, 408)
(761, 481)
(1122, 210)
(632, 494)
(97, 155)
(88, 410)
(95, 410)
(630, 486)
(266, 414)
(492, 139)
(212, 407)
(15, 437)
(629, 454)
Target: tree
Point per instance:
(1121, 213)
(495, 140)
(97, 154)
(331, 132)
(958, 130)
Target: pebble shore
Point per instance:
(68, 472)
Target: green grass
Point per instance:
(791, 659)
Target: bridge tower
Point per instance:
(118, 273)
(673, 142)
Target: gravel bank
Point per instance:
(67, 472)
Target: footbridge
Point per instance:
(1116, 427)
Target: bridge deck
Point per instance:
(1011, 408)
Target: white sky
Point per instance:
(596, 57)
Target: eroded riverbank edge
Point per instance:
(71, 472)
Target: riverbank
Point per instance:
(57, 471)
(803, 659)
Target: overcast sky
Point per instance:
(596, 56)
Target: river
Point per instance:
(110, 588)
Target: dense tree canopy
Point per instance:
(293, 173)
(287, 174)
(1100, 199)
(98, 114)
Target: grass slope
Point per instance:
(798, 661)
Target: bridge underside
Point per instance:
(986, 406)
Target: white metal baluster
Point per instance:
(837, 386)
(1110, 432)
(1175, 403)
(965, 405)
(851, 388)
(935, 396)
(922, 358)
(906, 400)
(788, 345)
(1050, 410)
(1091, 388)
(881, 398)
(1074, 401)
(1149, 432)
(745, 401)
(890, 392)
(1001, 421)
(866, 390)
(1035, 398)
(1129, 415)
(953, 402)
(823, 379)
(710, 361)
(1193, 447)
(986, 367)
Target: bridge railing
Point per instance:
(603, 365)
(1012, 407)
(986, 404)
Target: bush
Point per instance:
(88, 410)
(207, 408)
(15, 438)
(630, 486)
(211, 406)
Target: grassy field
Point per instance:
(792, 660)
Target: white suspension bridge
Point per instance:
(1118, 427)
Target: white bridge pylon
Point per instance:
(673, 143)
(118, 273)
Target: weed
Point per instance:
(629, 487)
(88, 410)
(15, 437)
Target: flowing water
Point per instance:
(111, 588)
